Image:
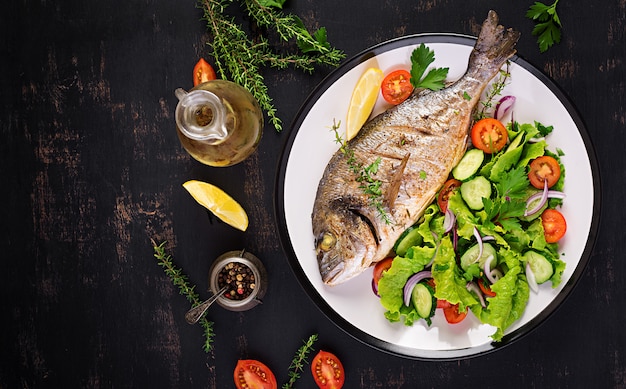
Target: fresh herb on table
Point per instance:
(421, 58)
(547, 24)
(242, 57)
(370, 185)
(299, 360)
(180, 280)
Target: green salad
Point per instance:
(489, 239)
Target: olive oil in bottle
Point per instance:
(218, 122)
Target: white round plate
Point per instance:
(352, 305)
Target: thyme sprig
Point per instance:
(180, 280)
(365, 174)
(494, 91)
(299, 360)
(238, 56)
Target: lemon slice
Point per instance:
(362, 101)
(217, 201)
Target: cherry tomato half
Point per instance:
(250, 373)
(489, 135)
(203, 72)
(443, 304)
(327, 371)
(544, 168)
(379, 268)
(396, 86)
(554, 225)
(485, 288)
(445, 192)
(453, 315)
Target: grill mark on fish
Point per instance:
(418, 142)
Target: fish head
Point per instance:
(345, 244)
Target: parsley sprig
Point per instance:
(365, 174)
(510, 201)
(547, 24)
(421, 58)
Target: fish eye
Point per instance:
(328, 241)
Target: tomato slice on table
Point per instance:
(554, 225)
(327, 370)
(453, 315)
(203, 72)
(396, 86)
(489, 135)
(544, 168)
(445, 192)
(250, 373)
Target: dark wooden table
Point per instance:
(91, 172)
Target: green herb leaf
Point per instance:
(185, 288)
(299, 360)
(547, 24)
(272, 3)
(421, 58)
(370, 185)
(240, 58)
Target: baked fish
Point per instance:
(417, 142)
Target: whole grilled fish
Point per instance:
(418, 143)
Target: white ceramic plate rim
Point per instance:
(352, 306)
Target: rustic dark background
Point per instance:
(91, 171)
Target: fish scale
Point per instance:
(418, 143)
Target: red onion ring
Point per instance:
(480, 243)
(448, 221)
(503, 106)
(472, 287)
(412, 281)
(543, 197)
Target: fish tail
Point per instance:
(495, 45)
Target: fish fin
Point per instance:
(396, 180)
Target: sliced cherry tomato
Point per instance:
(396, 86)
(453, 315)
(544, 168)
(443, 304)
(203, 72)
(444, 193)
(379, 268)
(489, 135)
(485, 288)
(250, 373)
(327, 371)
(554, 225)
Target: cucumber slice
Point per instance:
(423, 300)
(469, 164)
(540, 266)
(471, 256)
(409, 238)
(474, 190)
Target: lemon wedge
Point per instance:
(218, 202)
(363, 100)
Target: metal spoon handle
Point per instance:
(194, 314)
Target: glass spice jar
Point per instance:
(245, 278)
